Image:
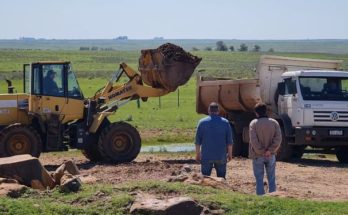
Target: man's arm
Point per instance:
(198, 153)
(254, 141)
(229, 141)
(198, 142)
(277, 139)
(229, 152)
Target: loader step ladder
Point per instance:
(54, 134)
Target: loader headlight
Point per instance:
(314, 132)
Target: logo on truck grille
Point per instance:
(334, 116)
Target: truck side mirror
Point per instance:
(292, 87)
(281, 88)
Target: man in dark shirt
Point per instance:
(213, 142)
(50, 86)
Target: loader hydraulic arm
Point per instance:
(133, 89)
(113, 96)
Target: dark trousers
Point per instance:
(219, 165)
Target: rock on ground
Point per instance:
(147, 204)
(25, 169)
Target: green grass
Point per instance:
(111, 199)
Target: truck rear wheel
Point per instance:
(120, 142)
(19, 139)
(237, 146)
(342, 154)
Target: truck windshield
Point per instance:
(324, 88)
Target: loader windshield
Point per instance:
(324, 88)
(73, 86)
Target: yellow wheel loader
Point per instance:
(52, 113)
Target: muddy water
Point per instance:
(180, 147)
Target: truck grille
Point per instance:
(330, 116)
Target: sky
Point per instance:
(174, 19)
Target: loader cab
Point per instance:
(53, 90)
(51, 79)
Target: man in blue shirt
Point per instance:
(213, 142)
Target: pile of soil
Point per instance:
(176, 53)
(167, 67)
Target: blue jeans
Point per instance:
(219, 165)
(259, 166)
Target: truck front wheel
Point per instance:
(119, 142)
(285, 151)
(342, 154)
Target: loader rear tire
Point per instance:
(119, 143)
(19, 139)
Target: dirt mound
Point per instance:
(305, 179)
(169, 66)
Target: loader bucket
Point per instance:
(168, 66)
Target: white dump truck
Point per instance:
(308, 97)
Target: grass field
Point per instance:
(110, 199)
(173, 121)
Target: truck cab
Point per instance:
(316, 103)
(308, 97)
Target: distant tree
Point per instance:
(195, 49)
(271, 50)
(208, 48)
(221, 46)
(243, 48)
(94, 48)
(231, 48)
(121, 38)
(256, 48)
(84, 48)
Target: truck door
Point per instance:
(288, 101)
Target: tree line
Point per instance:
(221, 46)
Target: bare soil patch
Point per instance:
(304, 179)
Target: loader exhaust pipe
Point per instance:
(10, 88)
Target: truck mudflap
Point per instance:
(321, 136)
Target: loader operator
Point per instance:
(50, 85)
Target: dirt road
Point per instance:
(306, 179)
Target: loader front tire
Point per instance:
(19, 139)
(119, 143)
(91, 149)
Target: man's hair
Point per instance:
(213, 108)
(260, 109)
